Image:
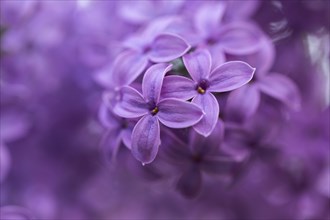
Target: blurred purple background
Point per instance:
(55, 59)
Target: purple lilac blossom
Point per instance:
(275, 85)
(224, 78)
(197, 157)
(119, 130)
(90, 89)
(153, 109)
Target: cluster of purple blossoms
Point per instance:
(164, 109)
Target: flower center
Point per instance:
(146, 49)
(153, 108)
(202, 86)
(154, 111)
(124, 124)
(197, 158)
(211, 41)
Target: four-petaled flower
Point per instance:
(171, 112)
(226, 77)
(153, 44)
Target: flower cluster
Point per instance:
(182, 95)
(222, 102)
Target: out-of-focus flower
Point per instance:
(197, 157)
(236, 37)
(137, 13)
(244, 102)
(155, 44)
(118, 130)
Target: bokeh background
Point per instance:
(52, 165)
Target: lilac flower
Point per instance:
(200, 155)
(237, 37)
(243, 103)
(119, 130)
(140, 48)
(254, 139)
(240, 10)
(226, 77)
(171, 112)
(155, 44)
(125, 69)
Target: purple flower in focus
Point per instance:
(171, 112)
(226, 77)
(243, 103)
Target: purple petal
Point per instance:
(198, 64)
(207, 23)
(127, 67)
(230, 76)
(262, 59)
(157, 26)
(190, 182)
(145, 37)
(240, 38)
(153, 81)
(238, 153)
(167, 47)
(146, 139)
(110, 98)
(103, 76)
(210, 106)
(178, 87)
(242, 103)
(131, 105)
(107, 118)
(281, 88)
(218, 56)
(240, 10)
(110, 144)
(218, 165)
(200, 145)
(175, 113)
(134, 12)
(126, 135)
